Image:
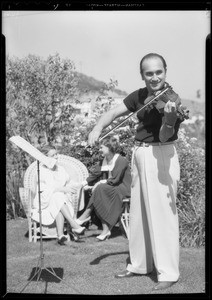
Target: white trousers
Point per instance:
(154, 227)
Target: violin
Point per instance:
(165, 95)
(158, 99)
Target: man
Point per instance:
(154, 230)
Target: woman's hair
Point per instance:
(152, 55)
(112, 143)
(46, 148)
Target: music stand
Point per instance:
(26, 146)
(40, 266)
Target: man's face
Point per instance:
(154, 74)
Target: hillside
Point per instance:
(194, 107)
(89, 84)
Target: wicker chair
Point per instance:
(75, 169)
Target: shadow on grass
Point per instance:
(96, 261)
(46, 274)
(117, 231)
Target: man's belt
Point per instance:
(143, 144)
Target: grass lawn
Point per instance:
(88, 267)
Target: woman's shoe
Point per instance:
(80, 222)
(75, 233)
(62, 241)
(73, 236)
(103, 237)
(79, 230)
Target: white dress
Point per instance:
(51, 202)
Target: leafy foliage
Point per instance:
(39, 94)
(191, 191)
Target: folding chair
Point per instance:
(125, 216)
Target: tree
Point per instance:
(40, 95)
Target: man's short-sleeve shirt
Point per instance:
(150, 119)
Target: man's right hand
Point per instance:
(93, 136)
(105, 121)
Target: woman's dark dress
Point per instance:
(107, 197)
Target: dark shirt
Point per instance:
(96, 174)
(120, 175)
(150, 120)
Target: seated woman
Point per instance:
(56, 190)
(113, 180)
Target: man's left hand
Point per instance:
(170, 113)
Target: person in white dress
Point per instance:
(57, 190)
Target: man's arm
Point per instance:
(105, 121)
(170, 116)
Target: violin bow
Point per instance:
(133, 113)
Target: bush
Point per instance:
(191, 191)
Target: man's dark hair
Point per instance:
(153, 55)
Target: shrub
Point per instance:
(191, 191)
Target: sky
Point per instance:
(110, 44)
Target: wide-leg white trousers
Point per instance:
(154, 228)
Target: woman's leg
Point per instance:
(86, 214)
(88, 210)
(105, 234)
(60, 224)
(105, 228)
(66, 213)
